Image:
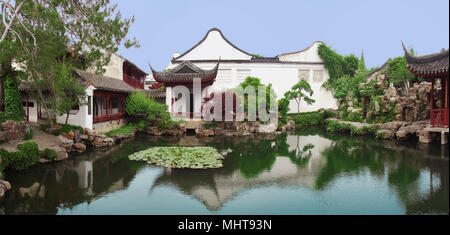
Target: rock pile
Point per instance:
(13, 130)
(4, 186)
(401, 130)
(413, 104)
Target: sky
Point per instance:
(269, 28)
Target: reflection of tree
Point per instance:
(302, 156)
(253, 155)
(350, 155)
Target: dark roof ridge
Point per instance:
(205, 37)
(380, 68)
(425, 58)
(295, 52)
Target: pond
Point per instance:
(309, 172)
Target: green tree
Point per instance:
(270, 95)
(40, 33)
(398, 72)
(70, 94)
(300, 91)
(362, 64)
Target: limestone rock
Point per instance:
(386, 134)
(393, 126)
(13, 130)
(267, 129)
(65, 142)
(81, 148)
(4, 186)
(62, 153)
(69, 135)
(103, 142)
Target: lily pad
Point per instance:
(180, 157)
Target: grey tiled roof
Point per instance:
(102, 82)
(433, 65)
(155, 93)
(186, 72)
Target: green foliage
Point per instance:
(210, 125)
(49, 154)
(68, 128)
(283, 109)
(13, 99)
(353, 117)
(181, 157)
(122, 131)
(51, 33)
(351, 65)
(27, 156)
(362, 64)
(334, 126)
(138, 105)
(64, 129)
(141, 107)
(300, 91)
(337, 65)
(29, 135)
(67, 89)
(398, 72)
(312, 118)
(270, 95)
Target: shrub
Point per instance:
(5, 159)
(68, 128)
(125, 130)
(313, 118)
(27, 156)
(353, 117)
(29, 135)
(138, 105)
(49, 154)
(210, 125)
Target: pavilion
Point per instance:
(184, 75)
(432, 68)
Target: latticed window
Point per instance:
(318, 76)
(303, 74)
(242, 74)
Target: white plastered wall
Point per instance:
(81, 117)
(33, 114)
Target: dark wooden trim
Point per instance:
(108, 116)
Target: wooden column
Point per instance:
(446, 93)
(107, 104)
(443, 86)
(28, 110)
(432, 103)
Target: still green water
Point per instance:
(301, 173)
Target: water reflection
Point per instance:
(417, 175)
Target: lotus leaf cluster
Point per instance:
(180, 157)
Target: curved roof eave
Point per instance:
(303, 50)
(205, 37)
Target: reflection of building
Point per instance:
(218, 188)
